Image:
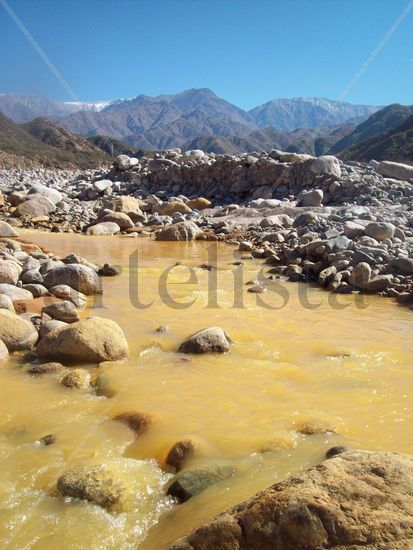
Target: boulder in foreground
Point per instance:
(92, 483)
(90, 340)
(353, 500)
(207, 340)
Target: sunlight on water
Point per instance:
(348, 367)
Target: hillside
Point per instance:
(41, 142)
(395, 144)
(381, 121)
(173, 120)
(303, 140)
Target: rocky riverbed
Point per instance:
(347, 227)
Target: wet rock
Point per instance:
(46, 368)
(48, 439)
(91, 340)
(7, 230)
(77, 276)
(180, 453)
(93, 483)
(109, 271)
(315, 426)
(208, 340)
(337, 450)
(4, 352)
(360, 275)
(16, 333)
(257, 289)
(162, 329)
(76, 378)
(189, 483)
(354, 500)
(104, 228)
(181, 231)
(62, 311)
(138, 422)
(379, 283)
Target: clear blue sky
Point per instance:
(246, 51)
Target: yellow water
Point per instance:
(347, 363)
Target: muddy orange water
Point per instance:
(347, 363)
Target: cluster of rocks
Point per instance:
(347, 226)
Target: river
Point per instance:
(299, 354)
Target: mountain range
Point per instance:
(169, 121)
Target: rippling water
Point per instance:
(346, 362)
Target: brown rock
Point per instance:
(138, 422)
(180, 453)
(354, 500)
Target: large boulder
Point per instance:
(38, 206)
(78, 276)
(93, 483)
(9, 272)
(353, 500)
(53, 195)
(105, 228)
(326, 164)
(181, 231)
(91, 340)
(16, 333)
(7, 230)
(395, 170)
(208, 340)
(14, 292)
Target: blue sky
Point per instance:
(246, 51)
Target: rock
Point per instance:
(4, 352)
(181, 231)
(104, 228)
(9, 272)
(77, 276)
(46, 368)
(62, 311)
(279, 220)
(245, 246)
(353, 229)
(405, 265)
(327, 275)
(257, 289)
(395, 170)
(353, 500)
(189, 483)
(180, 453)
(37, 291)
(49, 326)
(38, 206)
(76, 378)
(379, 283)
(380, 230)
(64, 292)
(312, 198)
(92, 483)
(169, 208)
(52, 194)
(109, 271)
(101, 185)
(199, 204)
(360, 275)
(337, 450)
(315, 426)
(304, 219)
(208, 340)
(15, 293)
(16, 333)
(90, 340)
(119, 218)
(48, 439)
(6, 302)
(337, 244)
(7, 230)
(326, 164)
(136, 421)
(124, 204)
